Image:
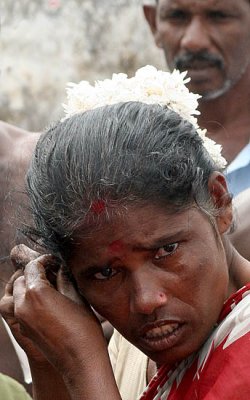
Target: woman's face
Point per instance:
(160, 278)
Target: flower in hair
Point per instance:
(150, 86)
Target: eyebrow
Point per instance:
(159, 242)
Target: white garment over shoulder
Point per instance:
(129, 366)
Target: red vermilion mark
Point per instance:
(116, 246)
(98, 206)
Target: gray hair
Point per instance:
(128, 153)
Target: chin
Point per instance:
(170, 358)
(208, 95)
(215, 94)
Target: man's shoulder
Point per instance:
(16, 147)
(16, 142)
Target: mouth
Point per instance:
(200, 70)
(199, 65)
(201, 74)
(162, 336)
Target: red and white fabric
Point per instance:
(220, 370)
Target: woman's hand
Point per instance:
(21, 255)
(39, 316)
(47, 381)
(62, 329)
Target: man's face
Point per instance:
(159, 278)
(208, 38)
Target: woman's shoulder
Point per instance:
(11, 389)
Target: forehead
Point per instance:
(141, 228)
(197, 5)
(128, 221)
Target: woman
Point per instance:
(129, 200)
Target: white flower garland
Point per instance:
(150, 86)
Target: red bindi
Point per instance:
(98, 206)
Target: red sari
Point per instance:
(220, 370)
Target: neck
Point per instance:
(239, 267)
(227, 118)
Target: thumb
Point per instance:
(66, 285)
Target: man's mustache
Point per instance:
(189, 59)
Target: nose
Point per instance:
(196, 36)
(147, 293)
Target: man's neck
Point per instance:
(227, 119)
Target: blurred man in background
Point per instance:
(211, 40)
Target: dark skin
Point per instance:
(123, 261)
(222, 30)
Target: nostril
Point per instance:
(147, 301)
(162, 298)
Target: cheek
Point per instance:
(110, 304)
(169, 38)
(209, 287)
(115, 313)
(235, 48)
(199, 275)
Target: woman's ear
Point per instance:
(222, 200)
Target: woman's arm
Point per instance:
(47, 382)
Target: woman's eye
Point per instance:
(105, 273)
(166, 250)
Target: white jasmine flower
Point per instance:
(150, 86)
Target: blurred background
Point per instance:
(47, 43)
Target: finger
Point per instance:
(21, 255)
(66, 286)
(7, 303)
(19, 289)
(35, 271)
(42, 270)
(10, 283)
(7, 307)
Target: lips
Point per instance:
(201, 75)
(162, 335)
(161, 331)
(199, 65)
